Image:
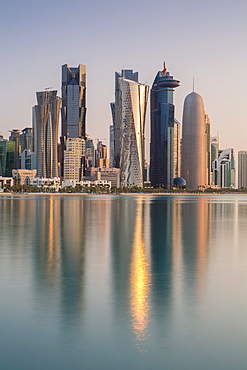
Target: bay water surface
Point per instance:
(123, 282)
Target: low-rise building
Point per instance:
(23, 177)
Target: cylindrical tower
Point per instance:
(194, 142)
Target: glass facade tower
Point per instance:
(116, 111)
(73, 101)
(162, 130)
(133, 101)
(45, 129)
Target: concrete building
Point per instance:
(47, 183)
(23, 177)
(162, 129)
(107, 174)
(5, 181)
(90, 153)
(73, 159)
(242, 169)
(194, 149)
(45, 129)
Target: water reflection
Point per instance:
(132, 269)
(139, 279)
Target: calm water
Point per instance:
(123, 282)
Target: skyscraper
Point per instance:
(73, 102)
(177, 151)
(15, 136)
(116, 111)
(73, 109)
(242, 169)
(162, 129)
(132, 111)
(208, 149)
(26, 139)
(45, 129)
(194, 151)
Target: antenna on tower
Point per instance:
(193, 84)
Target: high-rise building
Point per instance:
(26, 139)
(162, 130)
(73, 102)
(132, 112)
(15, 136)
(101, 155)
(177, 151)
(73, 166)
(116, 111)
(111, 146)
(45, 129)
(214, 156)
(73, 109)
(7, 158)
(90, 153)
(208, 149)
(242, 169)
(224, 169)
(194, 149)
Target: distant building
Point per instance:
(101, 155)
(23, 177)
(26, 139)
(73, 102)
(45, 128)
(5, 181)
(15, 137)
(177, 149)
(208, 150)
(134, 98)
(90, 153)
(242, 169)
(116, 108)
(214, 148)
(73, 162)
(73, 109)
(108, 174)
(194, 149)
(111, 146)
(27, 160)
(7, 158)
(162, 130)
(224, 169)
(47, 183)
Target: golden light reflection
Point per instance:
(139, 282)
(51, 233)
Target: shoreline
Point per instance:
(132, 194)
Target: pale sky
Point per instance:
(201, 39)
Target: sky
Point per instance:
(204, 40)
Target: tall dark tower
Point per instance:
(162, 130)
(73, 109)
(74, 101)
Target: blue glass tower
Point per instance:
(162, 130)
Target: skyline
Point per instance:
(203, 41)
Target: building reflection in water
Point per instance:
(140, 278)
